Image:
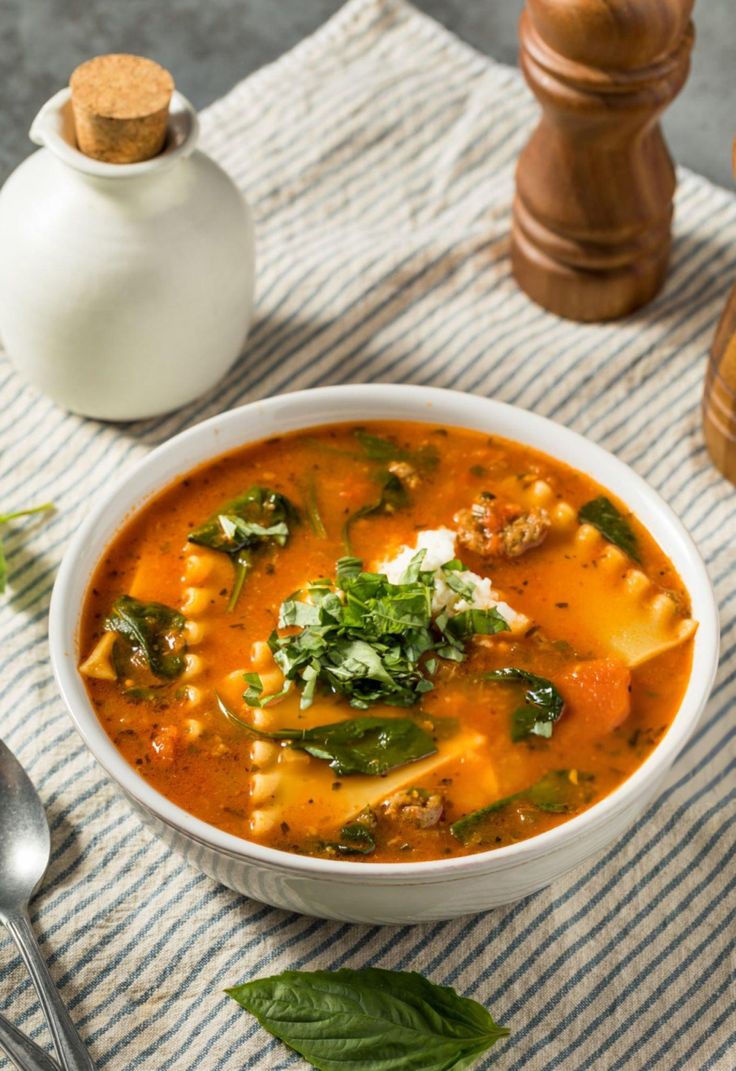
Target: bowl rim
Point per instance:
(372, 400)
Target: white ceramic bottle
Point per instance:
(126, 290)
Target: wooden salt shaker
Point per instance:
(594, 184)
(719, 393)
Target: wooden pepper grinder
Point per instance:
(719, 393)
(595, 182)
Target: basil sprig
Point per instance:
(366, 638)
(371, 1020)
(611, 523)
(365, 745)
(558, 792)
(542, 703)
(256, 519)
(152, 632)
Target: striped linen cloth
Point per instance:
(379, 157)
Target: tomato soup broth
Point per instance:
(551, 661)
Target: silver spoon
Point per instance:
(25, 847)
(23, 1053)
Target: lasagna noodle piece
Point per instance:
(295, 787)
(270, 762)
(630, 615)
(284, 779)
(202, 579)
(201, 569)
(98, 665)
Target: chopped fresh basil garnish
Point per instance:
(364, 745)
(4, 518)
(611, 523)
(365, 638)
(258, 518)
(473, 622)
(370, 1020)
(451, 573)
(542, 703)
(558, 792)
(151, 633)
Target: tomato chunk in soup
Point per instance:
(388, 642)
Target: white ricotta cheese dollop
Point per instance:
(439, 547)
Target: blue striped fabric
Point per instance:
(378, 157)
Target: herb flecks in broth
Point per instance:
(254, 520)
(411, 644)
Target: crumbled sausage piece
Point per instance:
(496, 529)
(164, 744)
(525, 532)
(366, 818)
(405, 472)
(415, 806)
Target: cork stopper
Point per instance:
(121, 107)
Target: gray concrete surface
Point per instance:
(210, 44)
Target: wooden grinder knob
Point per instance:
(594, 184)
(719, 393)
(121, 107)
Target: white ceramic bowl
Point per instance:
(383, 892)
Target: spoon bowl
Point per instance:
(25, 841)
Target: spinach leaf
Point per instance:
(355, 839)
(611, 523)
(558, 792)
(363, 745)
(4, 518)
(154, 633)
(311, 507)
(370, 1020)
(393, 495)
(258, 518)
(542, 703)
(377, 448)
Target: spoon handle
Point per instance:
(23, 1053)
(73, 1055)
